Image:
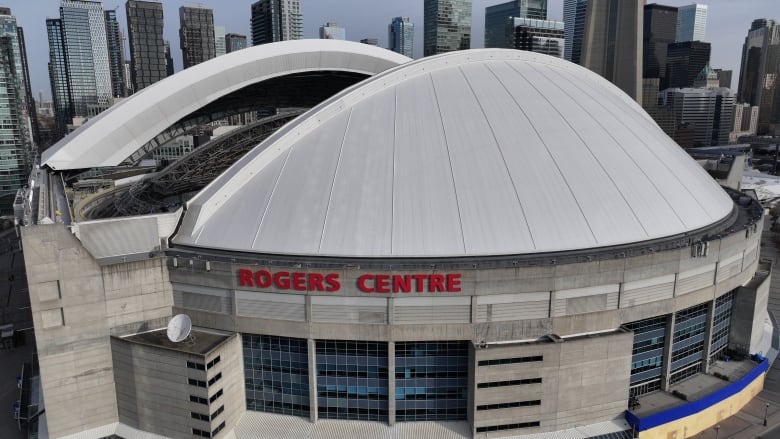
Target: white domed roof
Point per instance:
(481, 152)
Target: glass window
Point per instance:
(352, 380)
(431, 381)
(276, 371)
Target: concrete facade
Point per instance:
(155, 388)
(76, 306)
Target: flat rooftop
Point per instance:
(693, 388)
(199, 342)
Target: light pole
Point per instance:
(717, 430)
(766, 410)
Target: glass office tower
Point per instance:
(147, 49)
(446, 26)
(15, 132)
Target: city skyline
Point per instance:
(727, 25)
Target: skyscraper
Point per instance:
(497, 34)
(168, 58)
(86, 50)
(31, 106)
(684, 62)
(147, 52)
(708, 111)
(116, 54)
(446, 26)
(691, 22)
(276, 20)
(58, 78)
(400, 36)
(234, 42)
(16, 145)
(540, 36)
(145, 31)
(332, 31)
(660, 29)
(196, 35)
(574, 12)
(219, 40)
(612, 43)
(760, 71)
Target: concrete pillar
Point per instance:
(472, 388)
(312, 344)
(666, 368)
(390, 311)
(474, 310)
(390, 383)
(708, 337)
(307, 308)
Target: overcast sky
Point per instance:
(728, 23)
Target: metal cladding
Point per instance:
(115, 134)
(471, 153)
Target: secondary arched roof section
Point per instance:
(471, 153)
(118, 132)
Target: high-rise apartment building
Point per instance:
(116, 54)
(612, 43)
(759, 73)
(276, 20)
(234, 42)
(691, 22)
(196, 35)
(33, 113)
(574, 12)
(446, 26)
(400, 36)
(147, 51)
(86, 54)
(219, 40)
(16, 143)
(332, 31)
(540, 36)
(684, 62)
(497, 34)
(660, 29)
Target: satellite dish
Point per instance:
(179, 328)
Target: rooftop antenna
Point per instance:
(179, 328)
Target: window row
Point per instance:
(507, 405)
(515, 360)
(509, 383)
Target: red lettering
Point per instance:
(402, 284)
(263, 279)
(419, 280)
(299, 281)
(245, 278)
(332, 280)
(436, 283)
(362, 283)
(382, 283)
(453, 283)
(282, 280)
(315, 282)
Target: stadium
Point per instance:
(485, 243)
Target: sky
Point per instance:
(727, 25)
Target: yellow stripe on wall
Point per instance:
(694, 424)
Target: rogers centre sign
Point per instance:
(367, 283)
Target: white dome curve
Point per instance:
(471, 153)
